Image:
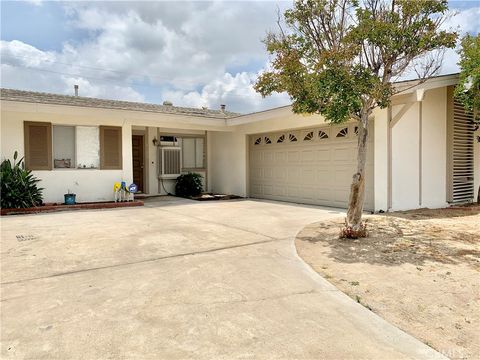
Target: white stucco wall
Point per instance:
(13, 114)
(227, 162)
(434, 149)
(419, 179)
(405, 159)
(227, 150)
(88, 184)
(151, 162)
(380, 159)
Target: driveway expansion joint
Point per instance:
(193, 253)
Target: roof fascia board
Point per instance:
(137, 118)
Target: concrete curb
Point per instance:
(379, 328)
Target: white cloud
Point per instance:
(26, 67)
(463, 22)
(183, 46)
(35, 2)
(236, 92)
(203, 53)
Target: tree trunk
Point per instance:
(357, 189)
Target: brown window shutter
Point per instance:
(38, 145)
(110, 147)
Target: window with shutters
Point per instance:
(110, 147)
(38, 145)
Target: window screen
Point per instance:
(193, 153)
(63, 146)
(88, 147)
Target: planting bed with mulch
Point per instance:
(52, 207)
(419, 270)
(210, 197)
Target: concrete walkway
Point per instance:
(179, 279)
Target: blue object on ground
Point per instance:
(70, 199)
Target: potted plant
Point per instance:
(69, 198)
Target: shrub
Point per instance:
(19, 186)
(189, 185)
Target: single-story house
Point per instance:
(424, 149)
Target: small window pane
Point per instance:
(193, 153)
(199, 155)
(188, 147)
(88, 147)
(63, 146)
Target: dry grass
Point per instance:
(417, 269)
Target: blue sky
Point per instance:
(191, 53)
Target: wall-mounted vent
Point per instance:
(461, 142)
(170, 162)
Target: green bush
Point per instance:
(19, 186)
(189, 185)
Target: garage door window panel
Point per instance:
(343, 133)
(308, 136)
(322, 135)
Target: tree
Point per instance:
(340, 57)
(467, 90)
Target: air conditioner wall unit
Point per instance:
(170, 162)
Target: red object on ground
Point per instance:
(78, 206)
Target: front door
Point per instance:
(137, 154)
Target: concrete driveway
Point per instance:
(179, 279)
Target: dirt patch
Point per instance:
(417, 269)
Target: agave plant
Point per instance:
(18, 185)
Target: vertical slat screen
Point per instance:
(462, 157)
(171, 162)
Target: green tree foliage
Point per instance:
(19, 186)
(339, 58)
(468, 88)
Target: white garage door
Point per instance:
(311, 166)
